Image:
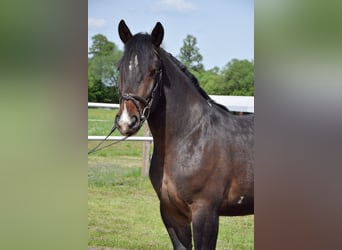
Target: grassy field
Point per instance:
(123, 210)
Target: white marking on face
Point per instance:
(125, 119)
(240, 201)
(136, 63)
(133, 63)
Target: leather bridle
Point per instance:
(147, 102)
(144, 113)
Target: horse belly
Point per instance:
(242, 205)
(239, 200)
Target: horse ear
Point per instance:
(124, 32)
(157, 34)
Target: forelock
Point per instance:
(139, 48)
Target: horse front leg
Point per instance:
(180, 233)
(205, 223)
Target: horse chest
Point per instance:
(173, 201)
(169, 192)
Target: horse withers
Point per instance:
(202, 165)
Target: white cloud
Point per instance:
(96, 23)
(178, 5)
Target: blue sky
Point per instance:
(224, 28)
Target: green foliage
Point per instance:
(101, 46)
(238, 77)
(102, 70)
(189, 53)
(210, 80)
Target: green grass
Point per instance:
(123, 209)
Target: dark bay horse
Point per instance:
(202, 163)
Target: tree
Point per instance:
(101, 46)
(102, 70)
(238, 78)
(210, 80)
(189, 54)
(105, 56)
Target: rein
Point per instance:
(96, 148)
(143, 113)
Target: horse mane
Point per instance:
(145, 48)
(195, 82)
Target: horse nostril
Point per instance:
(134, 120)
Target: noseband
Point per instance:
(144, 113)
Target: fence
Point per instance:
(233, 103)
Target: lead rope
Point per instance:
(95, 149)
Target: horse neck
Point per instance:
(180, 106)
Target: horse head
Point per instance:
(140, 76)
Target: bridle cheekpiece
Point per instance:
(144, 113)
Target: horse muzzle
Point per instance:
(127, 124)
